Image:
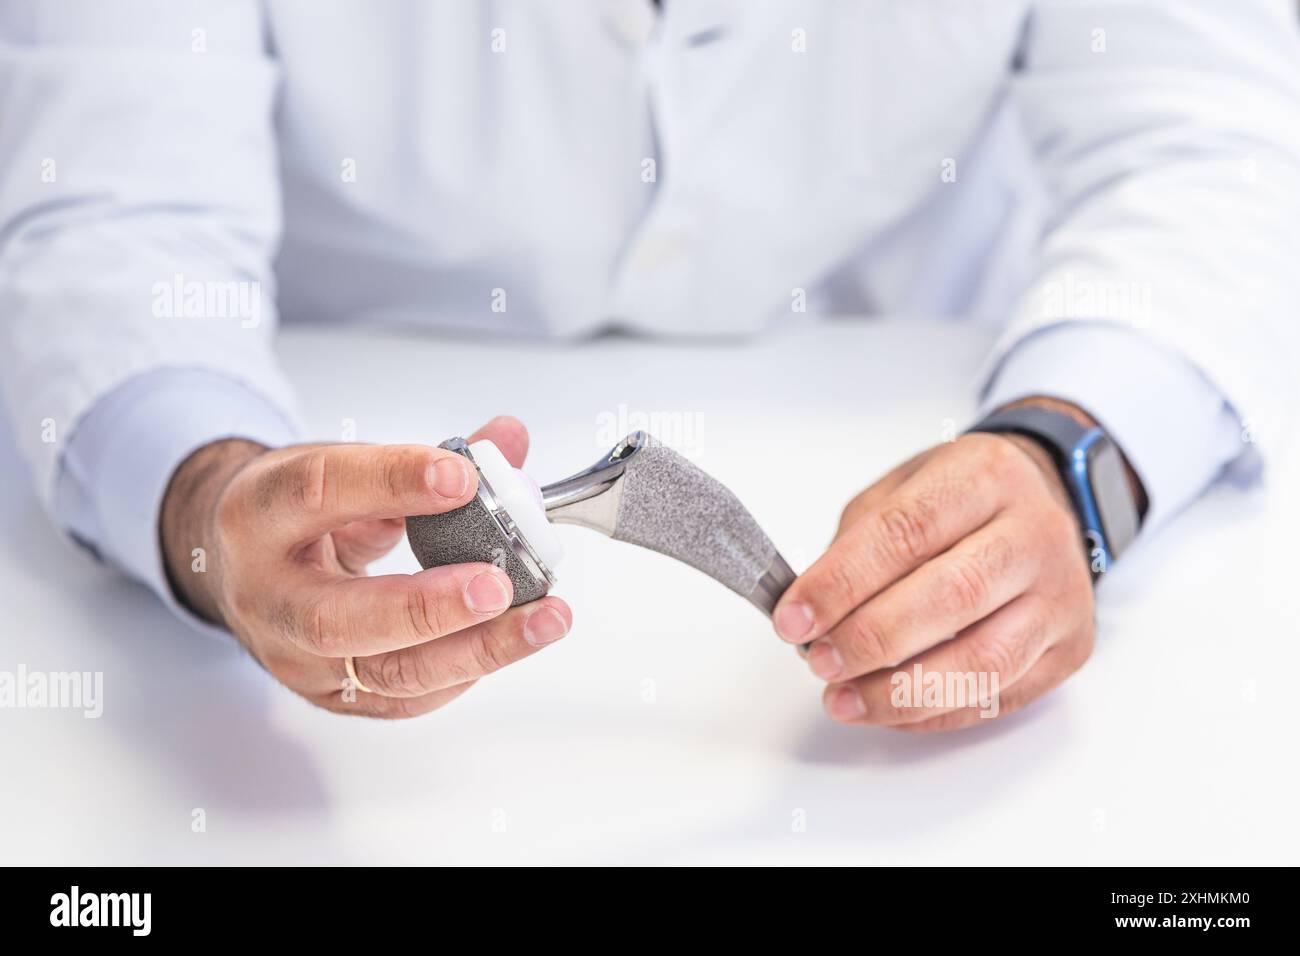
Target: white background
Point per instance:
(671, 725)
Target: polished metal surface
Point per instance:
(773, 583)
(514, 536)
(591, 497)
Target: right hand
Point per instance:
(286, 534)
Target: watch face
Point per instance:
(1114, 498)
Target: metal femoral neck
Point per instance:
(591, 497)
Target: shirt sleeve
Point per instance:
(117, 464)
(1173, 426)
(139, 205)
(1168, 137)
(139, 216)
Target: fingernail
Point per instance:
(825, 660)
(486, 593)
(845, 704)
(450, 477)
(793, 621)
(544, 626)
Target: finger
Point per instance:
(1056, 664)
(359, 543)
(871, 498)
(966, 583)
(509, 435)
(944, 501)
(360, 704)
(319, 489)
(467, 655)
(357, 617)
(970, 671)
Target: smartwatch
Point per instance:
(1092, 469)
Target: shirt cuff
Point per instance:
(1174, 427)
(116, 466)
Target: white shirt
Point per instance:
(1116, 184)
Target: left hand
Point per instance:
(966, 559)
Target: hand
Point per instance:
(967, 559)
(286, 535)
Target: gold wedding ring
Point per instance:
(352, 675)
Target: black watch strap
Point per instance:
(1055, 431)
(1059, 435)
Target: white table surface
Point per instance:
(671, 726)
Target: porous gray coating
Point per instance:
(470, 534)
(671, 506)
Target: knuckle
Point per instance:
(425, 614)
(400, 473)
(310, 484)
(490, 652)
(907, 530)
(451, 673)
(1002, 654)
(870, 641)
(393, 674)
(1002, 460)
(838, 581)
(320, 629)
(390, 476)
(998, 555)
(300, 482)
(966, 586)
